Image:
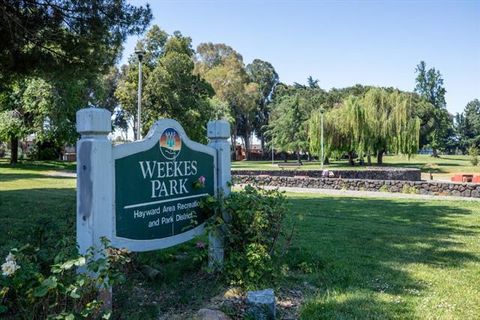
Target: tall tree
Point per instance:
(264, 75)
(224, 69)
(171, 86)
(429, 85)
(67, 43)
(174, 90)
(378, 122)
(287, 129)
(468, 126)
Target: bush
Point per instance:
(2, 150)
(253, 234)
(473, 153)
(29, 292)
(46, 150)
(409, 189)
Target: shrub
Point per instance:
(409, 189)
(28, 292)
(253, 234)
(473, 153)
(384, 188)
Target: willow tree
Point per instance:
(391, 123)
(336, 138)
(378, 122)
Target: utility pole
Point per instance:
(140, 53)
(322, 111)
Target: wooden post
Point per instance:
(218, 133)
(94, 182)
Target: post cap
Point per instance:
(94, 121)
(218, 129)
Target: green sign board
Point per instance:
(159, 184)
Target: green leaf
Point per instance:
(47, 284)
(3, 309)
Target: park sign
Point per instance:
(159, 185)
(147, 195)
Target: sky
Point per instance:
(340, 43)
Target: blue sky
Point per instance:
(341, 43)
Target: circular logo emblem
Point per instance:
(170, 143)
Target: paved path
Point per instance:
(371, 194)
(61, 174)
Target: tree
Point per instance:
(223, 68)
(264, 75)
(11, 129)
(171, 87)
(65, 37)
(64, 47)
(429, 85)
(174, 90)
(378, 122)
(287, 129)
(468, 126)
(312, 83)
(46, 109)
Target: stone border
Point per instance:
(370, 173)
(471, 190)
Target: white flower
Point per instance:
(10, 257)
(9, 268)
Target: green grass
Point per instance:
(354, 258)
(444, 167)
(388, 259)
(34, 205)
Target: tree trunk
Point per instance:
(369, 159)
(350, 158)
(262, 145)
(380, 157)
(246, 142)
(435, 153)
(298, 157)
(13, 150)
(234, 146)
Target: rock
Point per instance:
(232, 293)
(261, 304)
(150, 272)
(211, 314)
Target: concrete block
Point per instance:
(261, 304)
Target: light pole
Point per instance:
(322, 110)
(140, 53)
(273, 155)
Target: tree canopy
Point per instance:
(437, 124)
(171, 87)
(65, 36)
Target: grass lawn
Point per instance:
(352, 258)
(388, 259)
(446, 166)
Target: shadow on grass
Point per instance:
(4, 177)
(39, 165)
(360, 249)
(42, 216)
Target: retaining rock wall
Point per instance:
(402, 174)
(419, 187)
